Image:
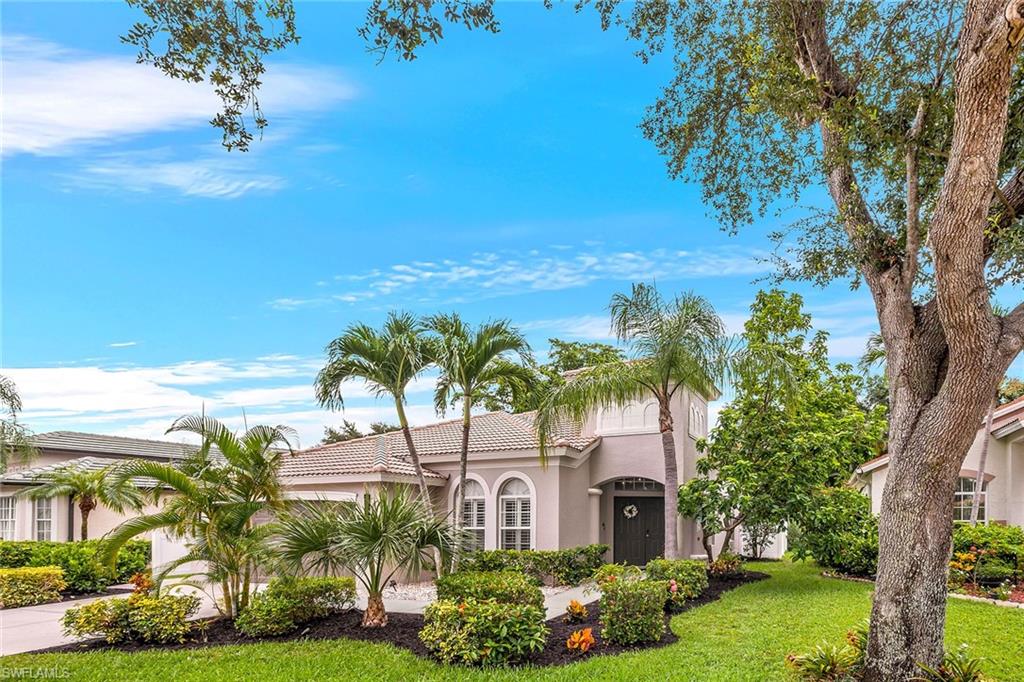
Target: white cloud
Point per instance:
(123, 344)
(55, 99)
(488, 275)
(595, 327)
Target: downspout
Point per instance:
(71, 519)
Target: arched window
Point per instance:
(474, 512)
(651, 416)
(515, 514)
(610, 420)
(632, 417)
(963, 498)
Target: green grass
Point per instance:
(743, 636)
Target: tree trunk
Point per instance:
(375, 616)
(413, 455)
(85, 505)
(460, 498)
(668, 448)
(979, 480)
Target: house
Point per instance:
(1002, 499)
(603, 481)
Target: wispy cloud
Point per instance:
(57, 99)
(491, 274)
(123, 344)
(596, 327)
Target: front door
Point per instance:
(639, 529)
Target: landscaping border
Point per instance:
(955, 595)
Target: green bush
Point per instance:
(30, 585)
(839, 532)
(992, 570)
(726, 565)
(139, 618)
(610, 573)
(82, 571)
(560, 567)
(482, 632)
(506, 587)
(287, 603)
(633, 611)
(1004, 544)
(689, 577)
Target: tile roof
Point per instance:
(39, 474)
(111, 445)
(491, 432)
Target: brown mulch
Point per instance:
(403, 631)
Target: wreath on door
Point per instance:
(630, 511)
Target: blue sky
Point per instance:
(148, 272)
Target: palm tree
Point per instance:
(375, 539)
(219, 489)
(89, 489)
(673, 345)
(15, 439)
(473, 362)
(386, 360)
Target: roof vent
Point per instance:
(380, 455)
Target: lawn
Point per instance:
(743, 636)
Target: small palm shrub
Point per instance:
(288, 603)
(687, 578)
(633, 611)
(486, 633)
(580, 641)
(139, 618)
(28, 586)
(827, 663)
(507, 587)
(957, 666)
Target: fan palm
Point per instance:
(88, 489)
(473, 362)
(673, 345)
(386, 360)
(374, 539)
(15, 439)
(219, 489)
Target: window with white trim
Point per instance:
(963, 499)
(474, 512)
(43, 518)
(515, 514)
(8, 506)
(632, 417)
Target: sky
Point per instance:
(149, 273)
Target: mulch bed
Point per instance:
(403, 631)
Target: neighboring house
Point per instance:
(1002, 498)
(603, 482)
(57, 518)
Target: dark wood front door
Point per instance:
(639, 529)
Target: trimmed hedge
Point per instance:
(633, 611)
(1003, 550)
(31, 585)
(560, 567)
(139, 618)
(505, 587)
(288, 603)
(689, 576)
(484, 633)
(82, 571)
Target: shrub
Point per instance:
(575, 612)
(727, 564)
(561, 567)
(611, 573)
(142, 582)
(687, 578)
(30, 585)
(580, 641)
(839, 532)
(957, 666)
(633, 611)
(288, 603)
(506, 587)
(1003, 542)
(993, 570)
(82, 571)
(827, 662)
(482, 632)
(139, 618)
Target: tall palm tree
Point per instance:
(374, 539)
(674, 345)
(218, 491)
(88, 489)
(473, 362)
(15, 439)
(386, 360)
